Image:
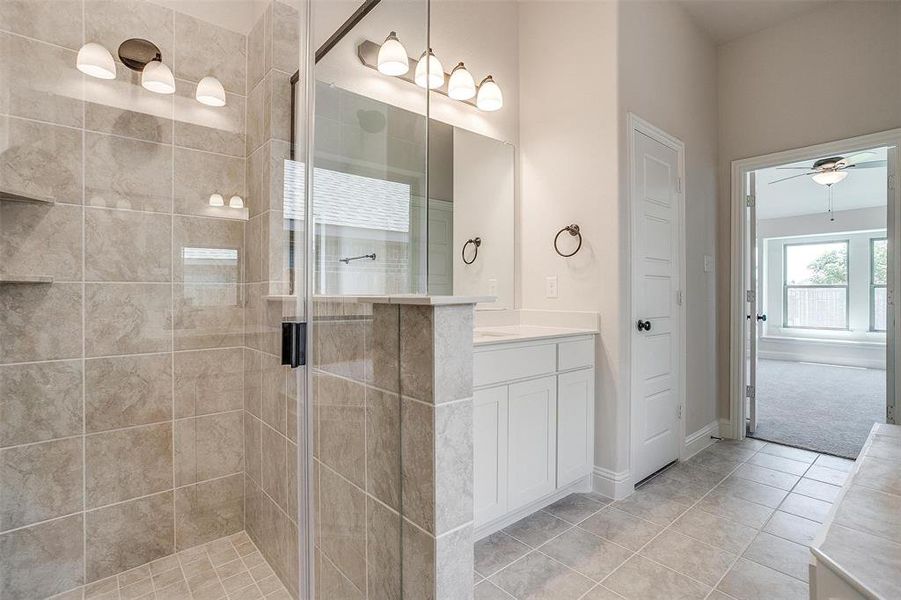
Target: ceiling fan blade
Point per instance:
(793, 177)
(873, 164)
(795, 168)
(856, 158)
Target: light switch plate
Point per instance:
(550, 287)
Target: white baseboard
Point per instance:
(580, 485)
(725, 429)
(611, 484)
(700, 439)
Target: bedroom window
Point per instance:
(878, 275)
(815, 291)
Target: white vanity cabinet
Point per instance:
(533, 425)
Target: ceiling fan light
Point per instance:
(829, 177)
(157, 78)
(461, 85)
(96, 61)
(429, 72)
(490, 97)
(393, 59)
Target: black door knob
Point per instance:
(644, 325)
(761, 317)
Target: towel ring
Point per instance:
(572, 230)
(476, 242)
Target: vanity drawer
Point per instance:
(509, 364)
(576, 354)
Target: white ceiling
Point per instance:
(803, 196)
(728, 20)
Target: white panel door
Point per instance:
(655, 308)
(575, 425)
(531, 440)
(489, 454)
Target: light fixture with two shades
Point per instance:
(144, 57)
(429, 74)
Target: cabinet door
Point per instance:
(532, 443)
(489, 454)
(575, 425)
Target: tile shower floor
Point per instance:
(733, 522)
(228, 568)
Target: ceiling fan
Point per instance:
(828, 171)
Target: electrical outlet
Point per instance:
(550, 287)
(708, 263)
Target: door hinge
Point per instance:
(680, 412)
(750, 391)
(750, 201)
(294, 343)
(750, 296)
(891, 182)
(679, 185)
(679, 297)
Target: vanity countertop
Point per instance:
(484, 336)
(861, 540)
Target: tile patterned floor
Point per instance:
(732, 523)
(229, 568)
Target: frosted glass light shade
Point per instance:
(157, 78)
(830, 177)
(236, 202)
(490, 97)
(461, 85)
(217, 200)
(393, 59)
(96, 61)
(429, 72)
(210, 92)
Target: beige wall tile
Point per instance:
(418, 463)
(453, 465)
(285, 37)
(453, 564)
(253, 381)
(383, 544)
(342, 435)
(343, 522)
(259, 49)
(253, 448)
(40, 482)
(127, 535)
(453, 353)
(253, 259)
(203, 49)
(280, 98)
(41, 240)
(127, 463)
(208, 447)
(111, 22)
(275, 467)
(41, 160)
(279, 162)
(333, 584)
(383, 446)
(123, 391)
(210, 128)
(40, 322)
(199, 174)
(42, 560)
(259, 115)
(416, 352)
(39, 81)
(127, 173)
(127, 246)
(340, 348)
(274, 388)
(385, 347)
(41, 401)
(124, 108)
(291, 479)
(208, 316)
(418, 556)
(207, 233)
(208, 381)
(209, 510)
(57, 22)
(122, 318)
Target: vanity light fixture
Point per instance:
(210, 92)
(217, 200)
(236, 202)
(490, 97)
(429, 72)
(461, 85)
(157, 78)
(96, 61)
(393, 60)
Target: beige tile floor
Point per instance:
(731, 523)
(229, 568)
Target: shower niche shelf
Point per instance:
(14, 197)
(27, 279)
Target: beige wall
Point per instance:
(827, 75)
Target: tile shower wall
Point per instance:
(122, 389)
(270, 389)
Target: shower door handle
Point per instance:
(294, 343)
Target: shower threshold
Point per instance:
(229, 568)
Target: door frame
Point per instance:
(737, 309)
(636, 125)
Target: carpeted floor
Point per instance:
(818, 407)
